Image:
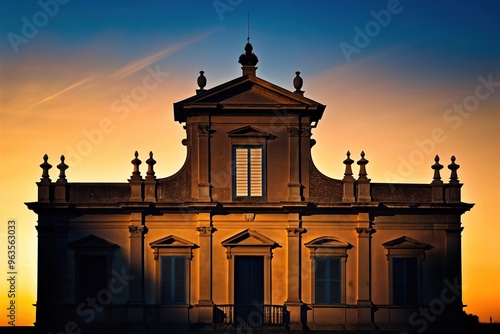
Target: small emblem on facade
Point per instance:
(249, 217)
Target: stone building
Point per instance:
(248, 233)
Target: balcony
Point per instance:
(250, 316)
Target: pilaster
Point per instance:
(364, 302)
(454, 260)
(294, 186)
(204, 163)
(294, 303)
(205, 303)
(137, 230)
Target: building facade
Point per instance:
(248, 233)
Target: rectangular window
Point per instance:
(248, 171)
(173, 280)
(404, 281)
(93, 275)
(327, 280)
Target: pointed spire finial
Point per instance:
(248, 60)
(151, 162)
(136, 162)
(45, 168)
(453, 167)
(437, 167)
(348, 162)
(362, 166)
(62, 170)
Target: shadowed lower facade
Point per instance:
(248, 233)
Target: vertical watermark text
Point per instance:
(11, 275)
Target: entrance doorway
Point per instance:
(249, 291)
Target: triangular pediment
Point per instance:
(327, 242)
(405, 242)
(92, 241)
(246, 93)
(249, 237)
(172, 241)
(248, 131)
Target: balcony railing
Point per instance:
(250, 316)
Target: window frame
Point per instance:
(172, 246)
(173, 279)
(417, 286)
(328, 247)
(263, 170)
(328, 280)
(405, 247)
(91, 245)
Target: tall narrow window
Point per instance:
(173, 279)
(93, 275)
(248, 171)
(327, 280)
(404, 281)
(405, 256)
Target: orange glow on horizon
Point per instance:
(81, 112)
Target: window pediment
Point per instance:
(249, 237)
(93, 242)
(328, 246)
(406, 247)
(406, 243)
(249, 131)
(172, 245)
(327, 242)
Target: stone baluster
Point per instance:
(150, 182)
(136, 180)
(363, 193)
(348, 181)
(44, 184)
(60, 190)
(437, 183)
(454, 186)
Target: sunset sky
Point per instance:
(403, 81)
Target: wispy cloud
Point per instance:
(130, 68)
(139, 64)
(70, 87)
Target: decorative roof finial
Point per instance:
(62, 170)
(151, 162)
(202, 80)
(248, 59)
(437, 167)
(362, 166)
(348, 170)
(45, 168)
(297, 83)
(453, 167)
(136, 162)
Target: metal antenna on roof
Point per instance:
(248, 19)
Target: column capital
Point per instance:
(137, 229)
(365, 231)
(205, 230)
(203, 130)
(295, 231)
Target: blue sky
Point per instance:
(450, 38)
